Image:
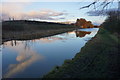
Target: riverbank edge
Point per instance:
(99, 58)
(32, 34)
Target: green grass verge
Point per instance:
(99, 58)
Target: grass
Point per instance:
(99, 58)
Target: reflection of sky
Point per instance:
(62, 37)
(34, 58)
(16, 68)
(23, 57)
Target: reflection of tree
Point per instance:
(101, 7)
(27, 46)
(13, 43)
(81, 33)
(16, 43)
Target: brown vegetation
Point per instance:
(82, 23)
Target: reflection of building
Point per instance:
(81, 33)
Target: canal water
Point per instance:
(35, 58)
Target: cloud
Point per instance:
(101, 12)
(62, 18)
(17, 10)
(45, 14)
(11, 9)
(17, 0)
(95, 13)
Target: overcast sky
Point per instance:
(47, 11)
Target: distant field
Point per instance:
(23, 25)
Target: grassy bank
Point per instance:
(99, 58)
(22, 29)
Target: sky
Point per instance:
(51, 0)
(47, 11)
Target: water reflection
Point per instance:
(16, 68)
(50, 39)
(81, 33)
(24, 58)
(34, 58)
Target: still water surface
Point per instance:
(35, 58)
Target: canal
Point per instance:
(35, 58)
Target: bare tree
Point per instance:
(102, 7)
(104, 4)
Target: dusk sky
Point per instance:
(48, 11)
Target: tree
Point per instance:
(112, 22)
(103, 4)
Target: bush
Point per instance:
(112, 23)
